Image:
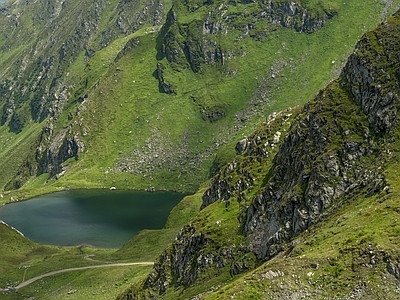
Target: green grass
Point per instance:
(347, 251)
(327, 260)
(90, 284)
(125, 114)
(185, 210)
(12, 146)
(125, 118)
(24, 259)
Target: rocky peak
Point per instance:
(372, 75)
(316, 168)
(329, 153)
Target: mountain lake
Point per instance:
(98, 218)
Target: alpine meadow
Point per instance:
(277, 121)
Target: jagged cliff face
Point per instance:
(336, 149)
(189, 243)
(39, 76)
(39, 52)
(198, 42)
(327, 157)
(140, 93)
(372, 77)
(48, 156)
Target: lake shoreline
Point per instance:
(6, 195)
(13, 228)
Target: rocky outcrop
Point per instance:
(62, 147)
(317, 166)
(323, 160)
(163, 86)
(48, 156)
(289, 14)
(180, 262)
(187, 259)
(130, 16)
(372, 76)
(238, 177)
(212, 114)
(186, 46)
(393, 267)
(328, 156)
(194, 44)
(293, 15)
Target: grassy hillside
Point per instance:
(147, 108)
(308, 208)
(123, 131)
(344, 257)
(23, 259)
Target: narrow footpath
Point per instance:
(29, 281)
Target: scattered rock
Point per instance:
(272, 274)
(70, 292)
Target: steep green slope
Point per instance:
(44, 50)
(313, 188)
(22, 259)
(353, 255)
(308, 211)
(149, 108)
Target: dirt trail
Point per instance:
(29, 281)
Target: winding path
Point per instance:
(29, 281)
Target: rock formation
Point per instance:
(194, 44)
(336, 148)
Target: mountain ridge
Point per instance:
(335, 155)
(134, 148)
(325, 175)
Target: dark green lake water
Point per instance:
(100, 218)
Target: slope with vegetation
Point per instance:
(23, 259)
(316, 218)
(155, 95)
(125, 94)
